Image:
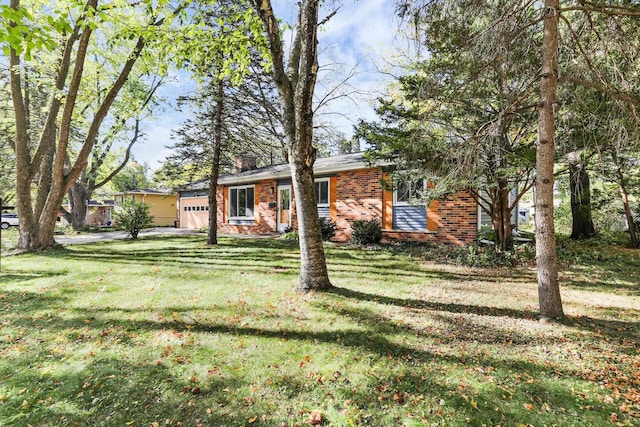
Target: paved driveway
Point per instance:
(76, 239)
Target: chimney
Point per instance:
(244, 163)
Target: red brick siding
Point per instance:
(358, 196)
(457, 224)
(265, 216)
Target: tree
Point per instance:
(548, 286)
(132, 177)
(68, 32)
(295, 81)
(462, 117)
(102, 165)
(221, 47)
(133, 217)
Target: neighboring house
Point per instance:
(99, 213)
(162, 204)
(261, 201)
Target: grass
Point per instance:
(169, 331)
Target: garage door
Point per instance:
(194, 212)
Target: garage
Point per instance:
(194, 212)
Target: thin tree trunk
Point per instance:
(633, 233)
(580, 185)
(548, 286)
(212, 235)
(501, 218)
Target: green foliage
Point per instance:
(366, 232)
(473, 255)
(291, 236)
(327, 228)
(133, 217)
(132, 177)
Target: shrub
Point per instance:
(133, 217)
(290, 236)
(366, 232)
(327, 228)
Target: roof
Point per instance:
(145, 191)
(322, 166)
(101, 203)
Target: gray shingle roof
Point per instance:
(323, 165)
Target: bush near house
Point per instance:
(133, 217)
(328, 229)
(366, 232)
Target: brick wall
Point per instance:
(265, 214)
(455, 223)
(358, 196)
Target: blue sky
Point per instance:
(362, 37)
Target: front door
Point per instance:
(284, 207)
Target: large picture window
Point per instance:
(407, 191)
(241, 201)
(322, 192)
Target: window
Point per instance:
(322, 192)
(241, 201)
(406, 191)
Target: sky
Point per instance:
(362, 38)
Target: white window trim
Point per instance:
(328, 181)
(240, 187)
(403, 203)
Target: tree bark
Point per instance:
(548, 286)
(78, 198)
(295, 85)
(216, 148)
(580, 185)
(501, 216)
(633, 233)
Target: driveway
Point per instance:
(76, 239)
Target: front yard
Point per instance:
(168, 331)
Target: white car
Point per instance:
(9, 220)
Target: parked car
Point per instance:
(9, 220)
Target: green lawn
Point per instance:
(167, 331)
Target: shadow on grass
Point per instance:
(7, 277)
(149, 392)
(426, 305)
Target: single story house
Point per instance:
(261, 201)
(99, 213)
(162, 204)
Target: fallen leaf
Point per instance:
(474, 403)
(315, 417)
(253, 420)
(528, 406)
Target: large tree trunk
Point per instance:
(295, 86)
(78, 198)
(501, 218)
(633, 233)
(548, 286)
(212, 235)
(580, 185)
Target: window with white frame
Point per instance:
(241, 201)
(407, 191)
(322, 192)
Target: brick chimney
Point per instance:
(244, 163)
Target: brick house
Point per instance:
(258, 201)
